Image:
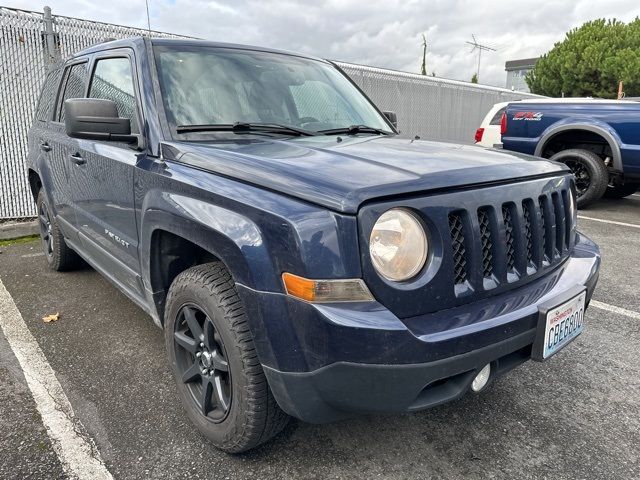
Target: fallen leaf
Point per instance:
(51, 318)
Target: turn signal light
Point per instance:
(326, 291)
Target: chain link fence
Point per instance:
(30, 42)
(433, 108)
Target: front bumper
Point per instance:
(330, 361)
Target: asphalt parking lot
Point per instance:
(575, 417)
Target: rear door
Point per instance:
(103, 173)
(58, 146)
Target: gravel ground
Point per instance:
(574, 417)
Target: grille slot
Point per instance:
(543, 229)
(509, 238)
(456, 228)
(558, 209)
(568, 217)
(486, 241)
(527, 208)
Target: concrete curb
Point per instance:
(9, 231)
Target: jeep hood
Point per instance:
(341, 175)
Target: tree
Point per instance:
(591, 61)
(424, 55)
(474, 78)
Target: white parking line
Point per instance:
(77, 452)
(614, 309)
(623, 224)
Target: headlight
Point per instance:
(398, 245)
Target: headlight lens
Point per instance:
(398, 245)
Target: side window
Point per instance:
(74, 85)
(113, 80)
(48, 95)
(497, 117)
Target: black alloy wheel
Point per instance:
(201, 357)
(46, 230)
(219, 378)
(583, 178)
(590, 172)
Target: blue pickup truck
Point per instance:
(599, 140)
(302, 259)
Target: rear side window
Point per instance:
(113, 80)
(497, 117)
(48, 96)
(74, 85)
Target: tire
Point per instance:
(58, 254)
(238, 411)
(592, 177)
(621, 190)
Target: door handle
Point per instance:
(45, 147)
(77, 159)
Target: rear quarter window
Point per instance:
(44, 109)
(497, 117)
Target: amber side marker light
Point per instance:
(326, 291)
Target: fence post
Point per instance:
(52, 50)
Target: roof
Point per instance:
(130, 42)
(524, 62)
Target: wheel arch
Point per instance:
(601, 130)
(35, 183)
(184, 232)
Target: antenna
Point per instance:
(480, 48)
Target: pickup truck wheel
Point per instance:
(59, 256)
(590, 171)
(211, 353)
(621, 191)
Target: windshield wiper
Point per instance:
(353, 130)
(243, 127)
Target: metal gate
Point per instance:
(30, 42)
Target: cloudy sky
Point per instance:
(382, 33)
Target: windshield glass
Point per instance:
(213, 86)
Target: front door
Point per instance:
(103, 191)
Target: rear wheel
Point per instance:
(590, 172)
(622, 190)
(59, 256)
(211, 352)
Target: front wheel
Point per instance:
(590, 172)
(211, 353)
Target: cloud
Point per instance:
(382, 33)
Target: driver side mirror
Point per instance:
(392, 117)
(96, 119)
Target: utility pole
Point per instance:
(424, 55)
(148, 18)
(480, 48)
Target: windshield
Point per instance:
(222, 86)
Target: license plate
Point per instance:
(562, 324)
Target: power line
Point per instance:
(480, 48)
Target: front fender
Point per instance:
(231, 237)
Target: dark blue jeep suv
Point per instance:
(301, 258)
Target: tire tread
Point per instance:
(263, 418)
